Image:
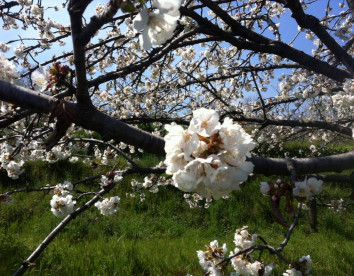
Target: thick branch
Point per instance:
(110, 128)
(26, 98)
(98, 21)
(264, 45)
(351, 6)
(8, 5)
(278, 166)
(23, 113)
(86, 116)
(310, 22)
(76, 10)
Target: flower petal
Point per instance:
(141, 20)
(145, 40)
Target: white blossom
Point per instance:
(308, 188)
(36, 10)
(208, 158)
(39, 79)
(315, 185)
(108, 206)
(62, 205)
(158, 26)
(264, 188)
(13, 168)
(204, 121)
(73, 159)
(4, 47)
(8, 70)
(63, 189)
(19, 50)
(209, 259)
(302, 190)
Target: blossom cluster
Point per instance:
(194, 200)
(300, 267)
(8, 160)
(344, 101)
(62, 205)
(57, 153)
(337, 205)
(12, 159)
(208, 158)
(62, 202)
(308, 188)
(8, 70)
(110, 178)
(108, 206)
(151, 184)
(302, 190)
(210, 258)
(243, 264)
(13, 168)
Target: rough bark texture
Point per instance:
(110, 128)
(351, 6)
(24, 97)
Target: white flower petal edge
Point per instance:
(168, 6)
(141, 20)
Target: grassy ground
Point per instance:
(159, 236)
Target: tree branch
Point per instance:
(98, 21)
(110, 128)
(76, 9)
(85, 116)
(262, 44)
(35, 254)
(312, 23)
(8, 5)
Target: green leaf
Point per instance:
(127, 7)
(142, 2)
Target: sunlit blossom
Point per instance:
(108, 206)
(208, 158)
(158, 26)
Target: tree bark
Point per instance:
(110, 128)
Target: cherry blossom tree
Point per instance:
(223, 81)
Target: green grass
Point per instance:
(159, 236)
